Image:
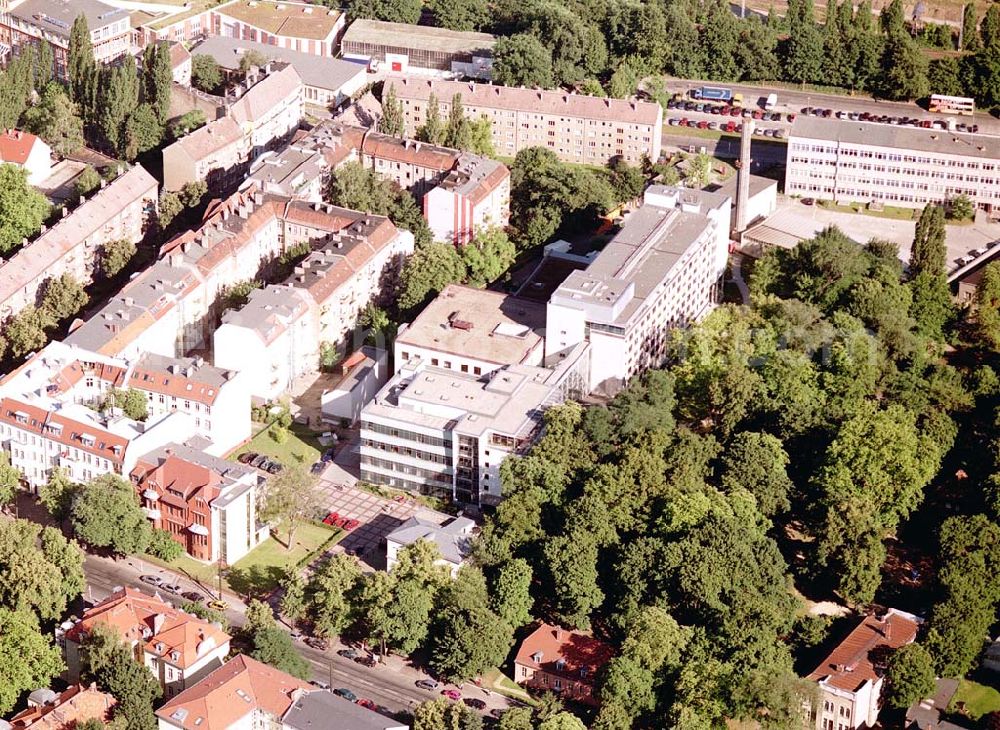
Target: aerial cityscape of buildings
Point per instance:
(382, 340)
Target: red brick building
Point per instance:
(561, 661)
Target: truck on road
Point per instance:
(713, 93)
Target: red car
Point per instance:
(366, 703)
(350, 524)
(452, 694)
(331, 518)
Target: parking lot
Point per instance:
(727, 118)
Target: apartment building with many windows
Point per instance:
(445, 433)
(216, 399)
(663, 270)
(578, 128)
(850, 162)
(26, 23)
(121, 208)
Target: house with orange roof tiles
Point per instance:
(207, 504)
(177, 647)
(558, 660)
(241, 694)
(851, 678)
(26, 151)
(66, 710)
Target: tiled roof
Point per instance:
(179, 475)
(539, 101)
(475, 177)
(297, 20)
(57, 16)
(214, 136)
(15, 146)
(178, 638)
(559, 651)
(33, 261)
(178, 54)
(270, 92)
(852, 662)
(180, 377)
(234, 690)
(55, 427)
(67, 711)
(394, 149)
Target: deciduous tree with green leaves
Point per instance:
(30, 659)
(56, 119)
(22, 208)
(910, 676)
(205, 73)
(106, 513)
(522, 60)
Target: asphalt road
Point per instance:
(794, 101)
(390, 685)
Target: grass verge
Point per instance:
(974, 699)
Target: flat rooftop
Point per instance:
(321, 72)
(57, 16)
(418, 37)
(905, 138)
(478, 323)
(297, 20)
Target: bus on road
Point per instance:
(942, 104)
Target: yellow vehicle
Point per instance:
(217, 605)
(737, 100)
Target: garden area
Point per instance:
(974, 700)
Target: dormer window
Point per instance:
(537, 657)
(560, 664)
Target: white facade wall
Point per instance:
(850, 172)
(234, 527)
(174, 679)
(39, 162)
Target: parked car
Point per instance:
(452, 694)
(366, 660)
(317, 643)
(193, 596)
(319, 683)
(257, 460)
(317, 468)
(497, 712)
(348, 653)
(808, 201)
(216, 605)
(346, 694)
(673, 121)
(247, 457)
(475, 704)
(366, 703)
(350, 524)
(153, 580)
(171, 588)
(275, 467)
(327, 455)
(427, 684)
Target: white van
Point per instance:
(771, 102)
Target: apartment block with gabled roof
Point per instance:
(576, 127)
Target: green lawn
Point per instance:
(300, 446)
(978, 698)
(259, 571)
(888, 211)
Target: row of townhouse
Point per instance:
(120, 209)
(460, 193)
(576, 127)
(263, 117)
(53, 415)
(278, 335)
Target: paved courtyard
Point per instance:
(378, 517)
